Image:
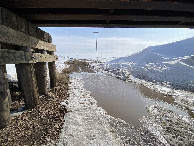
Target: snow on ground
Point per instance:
(60, 63)
(169, 127)
(11, 72)
(85, 123)
(168, 69)
(89, 125)
(183, 98)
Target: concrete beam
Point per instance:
(53, 17)
(11, 20)
(175, 5)
(14, 37)
(131, 24)
(16, 57)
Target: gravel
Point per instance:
(40, 125)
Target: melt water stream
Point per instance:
(122, 99)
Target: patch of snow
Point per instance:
(85, 123)
(11, 72)
(169, 127)
(183, 98)
(168, 69)
(60, 65)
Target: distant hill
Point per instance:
(173, 63)
(159, 53)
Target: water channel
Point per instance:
(122, 99)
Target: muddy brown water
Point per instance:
(122, 99)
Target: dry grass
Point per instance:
(77, 66)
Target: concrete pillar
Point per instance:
(41, 75)
(26, 73)
(19, 80)
(52, 72)
(4, 98)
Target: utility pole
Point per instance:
(96, 45)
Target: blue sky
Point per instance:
(112, 42)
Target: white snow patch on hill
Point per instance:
(172, 64)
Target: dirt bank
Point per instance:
(77, 66)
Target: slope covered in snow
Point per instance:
(170, 64)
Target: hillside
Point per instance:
(170, 64)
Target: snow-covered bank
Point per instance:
(60, 65)
(169, 127)
(85, 123)
(184, 99)
(88, 124)
(168, 69)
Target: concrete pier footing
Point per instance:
(26, 73)
(52, 72)
(41, 75)
(4, 98)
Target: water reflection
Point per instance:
(124, 100)
(155, 95)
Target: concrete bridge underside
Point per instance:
(105, 13)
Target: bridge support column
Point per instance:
(52, 72)
(18, 77)
(26, 73)
(4, 98)
(41, 75)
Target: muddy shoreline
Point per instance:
(84, 117)
(160, 127)
(183, 99)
